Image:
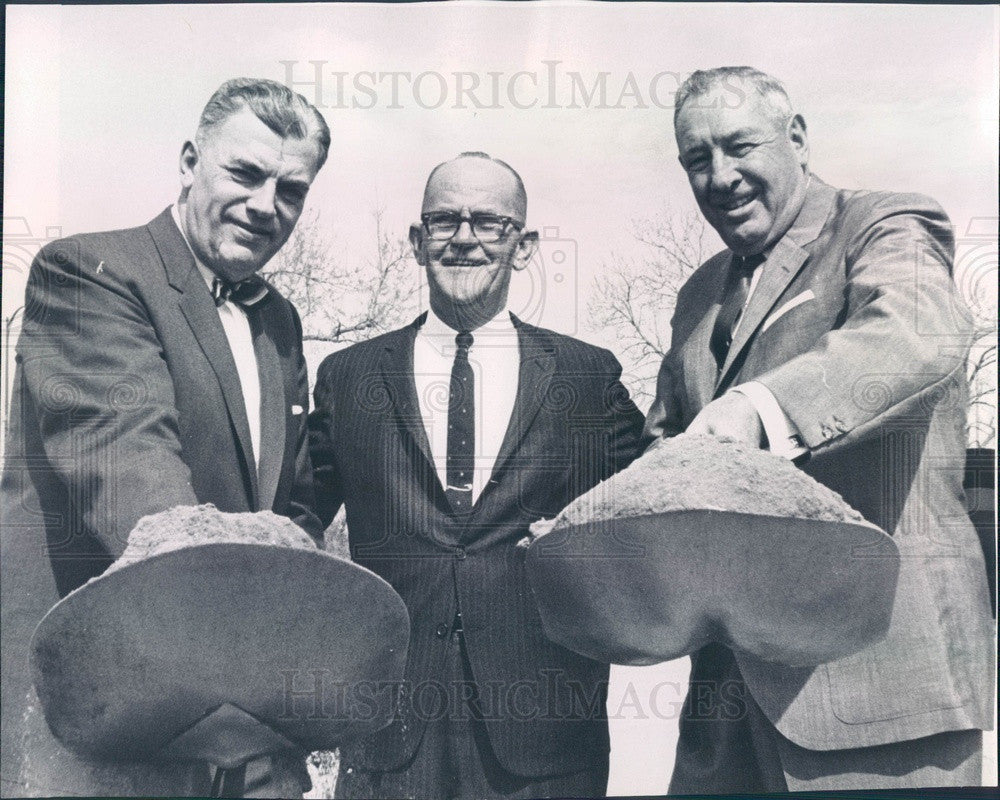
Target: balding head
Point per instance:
(479, 174)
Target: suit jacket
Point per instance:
(857, 329)
(573, 425)
(127, 402)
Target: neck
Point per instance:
(466, 318)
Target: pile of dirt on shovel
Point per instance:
(186, 526)
(694, 472)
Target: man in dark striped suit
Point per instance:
(445, 440)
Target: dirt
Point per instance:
(186, 526)
(693, 472)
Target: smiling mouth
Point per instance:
(734, 203)
(461, 262)
(254, 232)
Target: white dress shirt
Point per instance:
(237, 328)
(495, 358)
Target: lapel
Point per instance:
(538, 364)
(196, 304)
(273, 408)
(397, 372)
(780, 268)
(700, 370)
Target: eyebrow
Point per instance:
(252, 166)
(472, 213)
(242, 163)
(742, 133)
(727, 139)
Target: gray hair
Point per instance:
(283, 111)
(738, 80)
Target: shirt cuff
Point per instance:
(782, 435)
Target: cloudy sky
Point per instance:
(577, 97)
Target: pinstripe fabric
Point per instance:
(573, 425)
(455, 760)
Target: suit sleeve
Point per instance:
(94, 370)
(665, 415)
(625, 421)
(669, 413)
(302, 499)
(327, 488)
(905, 330)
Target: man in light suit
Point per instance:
(830, 331)
(155, 369)
(445, 440)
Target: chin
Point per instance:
(744, 242)
(239, 265)
(463, 290)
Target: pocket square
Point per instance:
(798, 300)
(296, 410)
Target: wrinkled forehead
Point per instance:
(477, 184)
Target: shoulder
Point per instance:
(876, 203)
(860, 211)
(95, 269)
(84, 251)
(570, 352)
(362, 355)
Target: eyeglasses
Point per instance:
(487, 228)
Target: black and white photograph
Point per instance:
(489, 400)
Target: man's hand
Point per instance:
(731, 416)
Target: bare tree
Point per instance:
(635, 295)
(981, 368)
(344, 303)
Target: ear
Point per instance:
(527, 244)
(799, 138)
(189, 158)
(417, 243)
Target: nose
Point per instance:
(260, 203)
(723, 175)
(464, 236)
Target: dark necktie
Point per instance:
(246, 293)
(734, 297)
(461, 428)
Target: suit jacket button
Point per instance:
(442, 631)
(460, 553)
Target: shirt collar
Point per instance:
(206, 273)
(434, 327)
